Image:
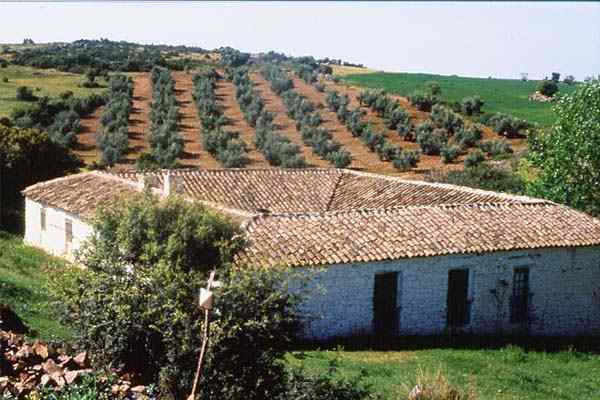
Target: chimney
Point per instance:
(172, 184)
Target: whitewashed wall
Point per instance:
(564, 285)
(53, 239)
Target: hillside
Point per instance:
(500, 95)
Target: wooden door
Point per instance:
(385, 304)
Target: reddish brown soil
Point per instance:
(194, 154)
(86, 147)
(139, 118)
(285, 125)
(362, 158)
(226, 96)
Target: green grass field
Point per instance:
(495, 374)
(50, 82)
(505, 374)
(24, 274)
(500, 95)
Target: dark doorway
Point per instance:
(458, 297)
(385, 308)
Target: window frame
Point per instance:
(521, 290)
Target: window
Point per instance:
(43, 218)
(520, 296)
(68, 231)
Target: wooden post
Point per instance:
(205, 334)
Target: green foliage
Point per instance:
(64, 129)
(471, 105)
(548, 88)
(406, 160)
(474, 158)
(445, 118)
(233, 58)
(496, 148)
(430, 139)
(135, 306)
(484, 176)
(91, 387)
(567, 155)
(146, 163)
(468, 136)
(25, 93)
(434, 88)
(422, 101)
(113, 137)
(507, 125)
(449, 153)
(165, 139)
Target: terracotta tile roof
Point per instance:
(80, 194)
(389, 234)
(324, 216)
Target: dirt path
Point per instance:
(285, 125)
(226, 96)
(194, 154)
(362, 158)
(87, 147)
(139, 118)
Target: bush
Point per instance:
(471, 105)
(135, 305)
(445, 118)
(146, 163)
(65, 128)
(25, 93)
(3, 63)
(449, 153)
(548, 88)
(474, 158)
(5, 79)
(468, 136)
(300, 386)
(422, 101)
(484, 176)
(435, 387)
(431, 140)
(496, 148)
(507, 125)
(340, 158)
(397, 116)
(406, 160)
(433, 88)
(66, 95)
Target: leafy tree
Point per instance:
(567, 155)
(25, 93)
(406, 160)
(471, 105)
(434, 88)
(556, 77)
(445, 118)
(135, 305)
(468, 136)
(423, 101)
(569, 80)
(449, 153)
(507, 125)
(474, 158)
(548, 88)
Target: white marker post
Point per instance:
(206, 303)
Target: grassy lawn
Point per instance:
(24, 274)
(505, 374)
(500, 95)
(50, 82)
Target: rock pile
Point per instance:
(26, 367)
(537, 96)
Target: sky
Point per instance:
(464, 38)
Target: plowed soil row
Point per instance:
(194, 154)
(284, 124)
(87, 147)
(139, 118)
(226, 97)
(362, 158)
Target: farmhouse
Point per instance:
(388, 256)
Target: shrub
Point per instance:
(484, 176)
(435, 387)
(146, 163)
(5, 79)
(325, 386)
(431, 140)
(474, 158)
(406, 160)
(340, 158)
(548, 88)
(445, 118)
(468, 136)
(397, 116)
(433, 88)
(135, 306)
(66, 95)
(495, 148)
(422, 101)
(471, 105)
(569, 80)
(65, 128)
(5, 121)
(25, 93)
(372, 139)
(449, 153)
(507, 125)
(3, 63)
(388, 152)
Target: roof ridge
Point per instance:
(464, 189)
(400, 208)
(334, 191)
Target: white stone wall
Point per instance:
(564, 286)
(53, 239)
